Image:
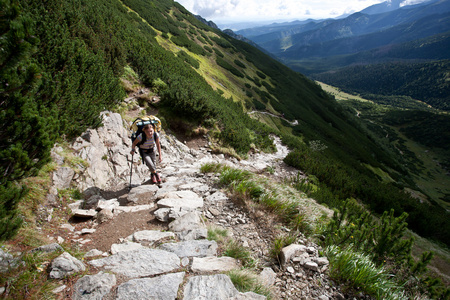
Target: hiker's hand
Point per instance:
(160, 158)
(132, 151)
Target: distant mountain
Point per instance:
(382, 7)
(390, 6)
(382, 35)
(358, 24)
(325, 43)
(431, 48)
(244, 39)
(204, 21)
(274, 28)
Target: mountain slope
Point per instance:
(422, 28)
(382, 7)
(427, 49)
(425, 81)
(74, 56)
(353, 25)
(205, 78)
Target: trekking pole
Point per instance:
(131, 172)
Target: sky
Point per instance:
(235, 11)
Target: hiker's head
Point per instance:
(148, 129)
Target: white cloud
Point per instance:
(269, 9)
(411, 2)
(251, 10)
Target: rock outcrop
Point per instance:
(174, 260)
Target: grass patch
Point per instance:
(233, 176)
(217, 234)
(286, 210)
(238, 251)
(357, 272)
(29, 279)
(246, 281)
(278, 244)
(249, 189)
(246, 186)
(211, 168)
(231, 247)
(301, 222)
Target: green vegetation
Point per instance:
(236, 250)
(245, 186)
(425, 81)
(278, 244)
(231, 247)
(60, 56)
(217, 234)
(349, 146)
(427, 128)
(31, 278)
(366, 253)
(359, 272)
(246, 281)
(227, 66)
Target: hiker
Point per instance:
(147, 141)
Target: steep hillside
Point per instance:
(425, 81)
(65, 62)
(73, 55)
(426, 49)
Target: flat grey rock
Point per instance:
(214, 264)
(191, 203)
(65, 265)
(161, 287)
(149, 237)
(189, 221)
(139, 263)
(84, 213)
(48, 248)
(92, 287)
(197, 248)
(217, 196)
(143, 193)
(128, 246)
(217, 287)
(120, 209)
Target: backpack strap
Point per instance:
(143, 139)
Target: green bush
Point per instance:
(239, 63)
(227, 66)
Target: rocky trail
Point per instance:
(146, 241)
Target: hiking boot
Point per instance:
(157, 178)
(153, 178)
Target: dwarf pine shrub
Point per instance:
(383, 238)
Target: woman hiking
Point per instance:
(147, 141)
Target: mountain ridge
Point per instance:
(354, 25)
